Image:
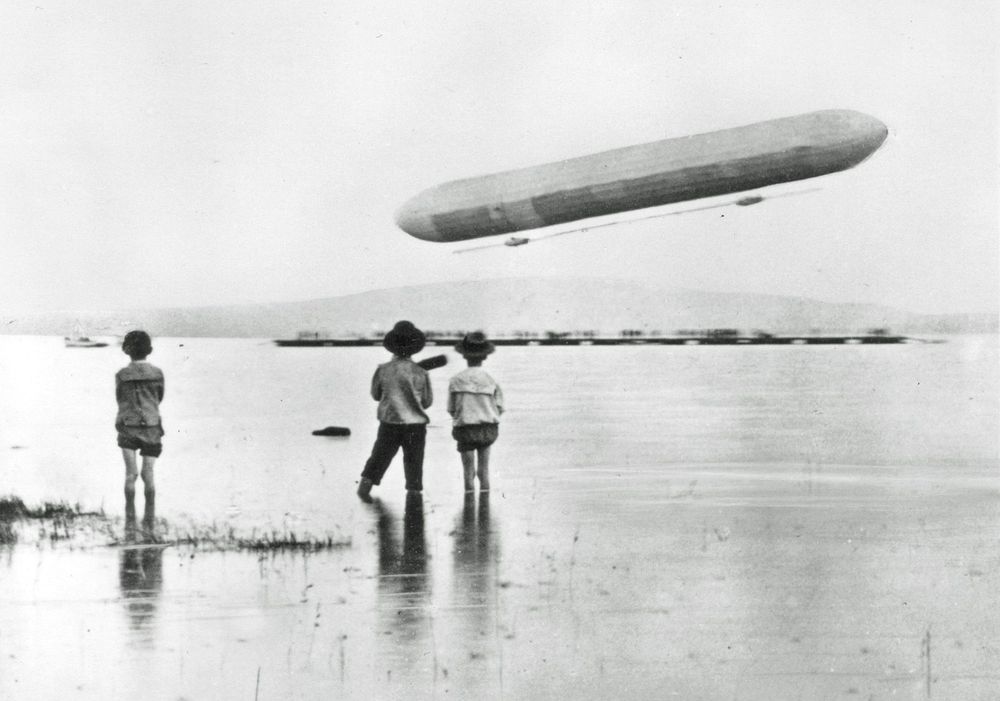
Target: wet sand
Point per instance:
(776, 582)
(800, 524)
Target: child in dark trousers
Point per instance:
(403, 391)
(475, 402)
(139, 388)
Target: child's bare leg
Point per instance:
(149, 490)
(484, 468)
(469, 469)
(131, 473)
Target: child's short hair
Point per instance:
(137, 344)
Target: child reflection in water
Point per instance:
(476, 551)
(403, 584)
(140, 575)
(475, 593)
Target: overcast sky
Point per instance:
(195, 153)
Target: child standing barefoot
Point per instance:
(475, 402)
(139, 388)
(403, 391)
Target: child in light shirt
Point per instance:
(475, 402)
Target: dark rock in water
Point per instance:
(333, 431)
(435, 361)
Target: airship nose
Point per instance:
(867, 131)
(414, 217)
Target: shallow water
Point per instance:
(725, 522)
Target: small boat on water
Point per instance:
(82, 342)
(79, 340)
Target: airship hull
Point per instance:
(647, 175)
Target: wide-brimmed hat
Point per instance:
(404, 339)
(474, 345)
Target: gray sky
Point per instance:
(191, 153)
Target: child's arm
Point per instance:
(452, 404)
(498, 398)
(118, 398)
(377, 386)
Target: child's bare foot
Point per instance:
(149, 531)
(365, 490)
(131, 528)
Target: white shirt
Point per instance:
(474, 398)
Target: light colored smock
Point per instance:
(474, 398)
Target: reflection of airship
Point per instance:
(647, 175)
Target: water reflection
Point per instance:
(403, 584)
(140, 575)
(477, 552)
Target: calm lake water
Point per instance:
(690, 522)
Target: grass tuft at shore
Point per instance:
(57, 519)
(13, 508)
(59, 522)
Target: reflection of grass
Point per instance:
(62, 522)
(216, 538)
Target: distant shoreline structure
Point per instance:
(717, 337)
(504, 306)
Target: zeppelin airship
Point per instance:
(647, 175)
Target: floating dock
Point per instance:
(804, 340)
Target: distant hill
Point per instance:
(507, 305)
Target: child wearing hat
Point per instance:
(475, 402)
(403, 391)
(139, 388)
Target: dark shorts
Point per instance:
(475, 436)
(145, 439)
